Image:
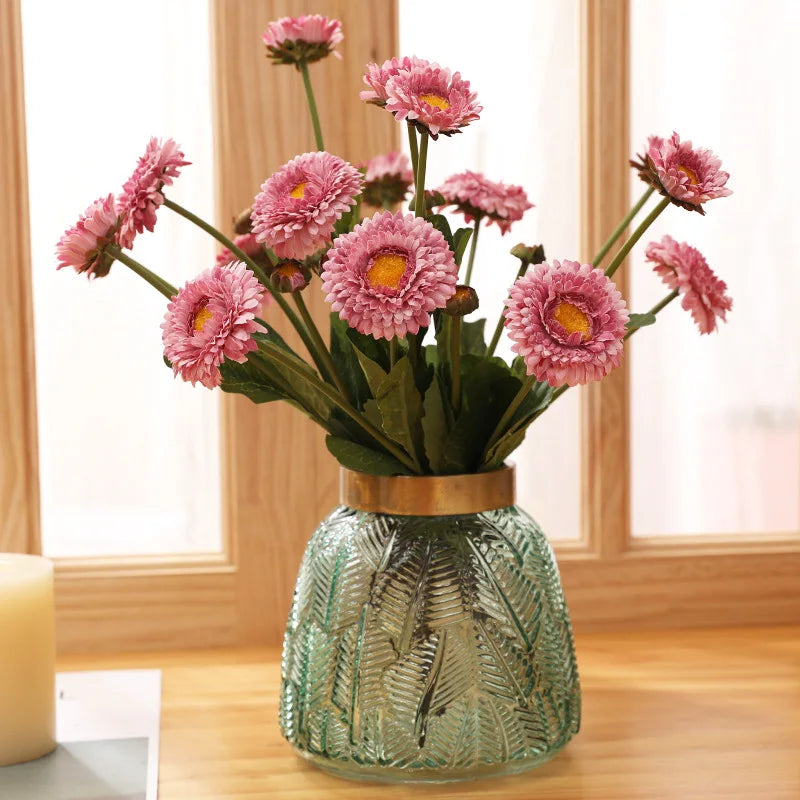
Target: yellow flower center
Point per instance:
(435, 100)
(386, 270)
(299, 190)
(572, 319)
(202, 316)
(287, 269)
(690, 174)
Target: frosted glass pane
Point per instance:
(128, 456)
(528, 134)
(715, 439)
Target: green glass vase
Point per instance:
(428, 647)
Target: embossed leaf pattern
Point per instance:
(429, 643)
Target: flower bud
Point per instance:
(242, 223)
(529, 255)
(290, 276)
(463, 302)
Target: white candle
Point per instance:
(27, 658)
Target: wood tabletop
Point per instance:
(673, 714)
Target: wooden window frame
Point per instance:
(278, 479)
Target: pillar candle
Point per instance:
(27, 658)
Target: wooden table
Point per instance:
(675, 714)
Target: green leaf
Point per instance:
(439, 221)
(519, 368)
(434, 426)
(504, 447)
(376, 350)
(401, 408)
(538, 398)
(640, 321)
(363, 459)
(347, 363)
(460, 240)
(473, 339)
(373, 372)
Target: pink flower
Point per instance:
(432, 98)
(389, 177)
(567, 321)
(687, 176)
(212, 318)
(683, 267)
(376, 77)
(142, 193)
(386, 276)
(245, 242)
(298, 206)
(291, 40)
(82, 246)
(475, 196)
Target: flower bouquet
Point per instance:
(429, 638)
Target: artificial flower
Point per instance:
(307, 38)
(684, 268)
(83, 246)
(432, 98)
(463, 302)
(388, 179)
(567, 321)
(389, 274)
(142, 193)
(212, 318)
(289, 276)
(688, 176)
(476, 197)
(298, 206)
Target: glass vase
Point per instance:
(427, 646)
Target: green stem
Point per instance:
(499, 328)
(392, 351)
(412, 143)
(472, 247)
(508, 414)
(421, 166)
(281, 356)
(621, 227)
(259, 273)
(312, 105)
(635, 236)
(167, 289)
(455, 364)
(656, 308)
(320, 354)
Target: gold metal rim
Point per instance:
(428, 495)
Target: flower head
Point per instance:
(290, 276)
(376, 77)
(308, 38)
(463, 302)
(476, 197)
(567, 320)
(688, 176)
(212, 318)
(683, 267)
(298, 206)
(142, 193)
(389, 177)
(83, 246)
(432, 98)
(387, 276)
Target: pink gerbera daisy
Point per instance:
(476, 197)
(83, 246)
(387, 276)
(376, 77)
(432, 99)
(389, 177)
(310, 37)
(683, 267)
(142, 193)
(567, 320)
(688, 176)
(247, 243)
(298, 206)
(212, 318)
